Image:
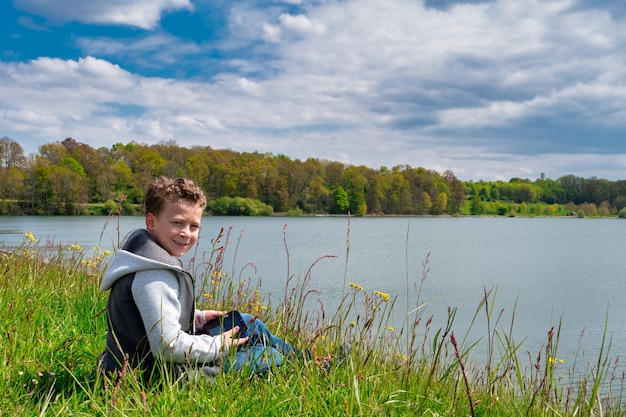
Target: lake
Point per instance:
(543, 270)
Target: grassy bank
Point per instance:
(53, 328)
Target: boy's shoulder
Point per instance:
(149, 257)
(140, 243)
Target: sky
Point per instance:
(489, 89)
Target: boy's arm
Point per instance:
(156, 294)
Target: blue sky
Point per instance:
(490, 89)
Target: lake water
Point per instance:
(544, 270)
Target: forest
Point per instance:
(72, 178)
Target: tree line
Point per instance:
(72, 178)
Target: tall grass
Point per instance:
(53, 328)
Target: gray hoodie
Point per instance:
(151, 310)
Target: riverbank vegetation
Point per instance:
(53, 328)
(72, 178)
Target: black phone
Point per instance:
(226, 322)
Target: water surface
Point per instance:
(544, 271)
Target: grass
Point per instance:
(53, 328)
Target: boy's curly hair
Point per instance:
(167, 189)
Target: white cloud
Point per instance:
(152, 50)
(61, 92)
(246, 23)
(144, 14)
(495, 114)
(271, 33)
(301, 24)
(504, 60)
(249, 86)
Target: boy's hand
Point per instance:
(232, 339)
(213, 314)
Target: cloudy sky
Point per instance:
(490, 89)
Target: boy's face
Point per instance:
(177, 228)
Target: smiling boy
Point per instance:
(151, 308)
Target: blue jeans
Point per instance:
(263, 350)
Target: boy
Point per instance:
(151, 307)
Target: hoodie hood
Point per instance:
(139, 253)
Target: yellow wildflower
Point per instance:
(390, 328)
(383, 295)
(356, 286)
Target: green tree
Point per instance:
(440, 205)
(95, 166)
(476, 205)
(60, 190)
(598, 190)
(197, 166)
(73, 165)
(319, 196)
(333, 173)
(11, 187)
(377, 184)
(273, 188)
(484, 194)
(174, 156)
(572, 187)
(398, 196)
(340, 197)
(53, 153)
(239, 206)
(425, 204)
(494, 194)
(123, 179)
(355, 185)
(551, 191)
(12, 164)
(457, 191)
